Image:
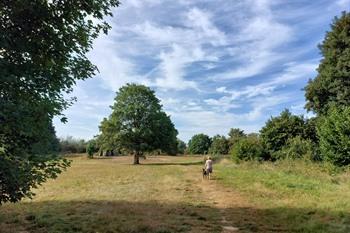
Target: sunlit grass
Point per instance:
(323, 200)
(167, 194)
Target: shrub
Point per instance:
(235, 135)
(278, 130)
(219, 146)
(72, 145)
(91, 148)
(249, 148)
(199, 144)
(334, 134)
(181, 146)
(295, 148)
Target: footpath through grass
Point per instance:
(167, 194)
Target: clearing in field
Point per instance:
(167, 194)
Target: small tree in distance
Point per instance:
(181, 146)
(235, 135)
(138, 124)
(219, 145)
(199, 144)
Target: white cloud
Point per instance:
(114, 69)
(214, 122)
(181, 46)
(256, 43)
(201, 22)
(185, 49)
(172, 68)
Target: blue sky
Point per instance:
(215, 65)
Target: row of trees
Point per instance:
(218, 145)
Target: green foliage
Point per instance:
(310, 131)
(138, 124)
(235, 135)
(219, 145)
(295, 148)
(72, 145)
(48, 142)
(334, 134)
(181, 147)
(278, 130)
(249, 148)
(332, 86)
(199, 144)
(43, 46)
(91, 148)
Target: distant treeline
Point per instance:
(72, 145)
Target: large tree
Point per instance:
(332, 84)
(138, 124)
(43, 46)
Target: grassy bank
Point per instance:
(303, 196)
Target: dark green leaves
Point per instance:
(332, 84)
(43, 46)
(137, 123)
(199, 144)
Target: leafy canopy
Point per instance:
(219, 145)
(332, 85)
(235, 135)
(278, 130)
(137, 123)
(43, 46)
(249, 148)
(334, 134)
(199, 144)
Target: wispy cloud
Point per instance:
(214, 64)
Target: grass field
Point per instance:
(167, 194)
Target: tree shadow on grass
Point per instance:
(132, 217)
(174, 163)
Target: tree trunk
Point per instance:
(136, 158)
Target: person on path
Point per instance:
(208, 166)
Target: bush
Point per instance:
(295, 148)
(91, 148)
(199, 144)
(235, 135)
(249, 148)
(72, 145)
(334, 134)
(181, 146)
(278, 130)
(219, 146)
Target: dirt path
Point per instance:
(228, 201)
